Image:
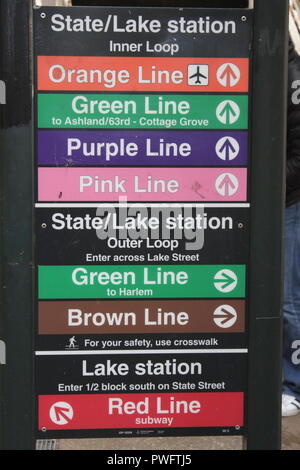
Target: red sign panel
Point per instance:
(131, 411)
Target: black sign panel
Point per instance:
(142, 235)
(141, 220)
(163, 31)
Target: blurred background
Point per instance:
(295, 23)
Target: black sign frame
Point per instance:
(269, 87)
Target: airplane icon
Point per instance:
(198, 74)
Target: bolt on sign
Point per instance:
(142, 220)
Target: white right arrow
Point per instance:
(225, 281)
(225, 316)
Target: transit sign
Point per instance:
(142, 219)
(69, 111)
(142, 148)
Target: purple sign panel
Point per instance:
(140, 148)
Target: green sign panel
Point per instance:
(181, 281)
(143, 111)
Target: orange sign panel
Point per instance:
(142, 74)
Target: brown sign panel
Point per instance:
(142, 316)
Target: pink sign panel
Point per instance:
(142, 184)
